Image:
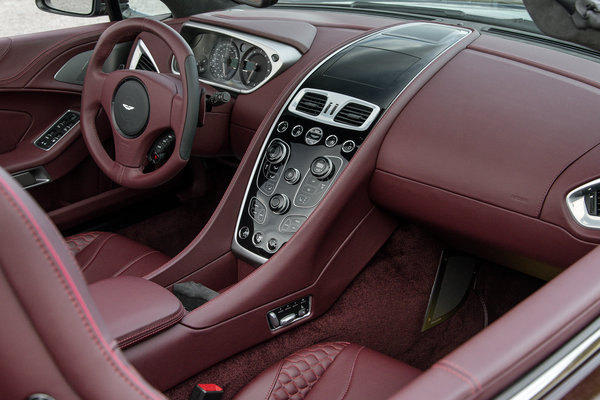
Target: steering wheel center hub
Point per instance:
(131, 108)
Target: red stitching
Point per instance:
(459, 376)
(463, 371)
(151, 329)
(345, 392)
(70, 289)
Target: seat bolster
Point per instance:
(104, 255)
(330, 371)
(360, 373)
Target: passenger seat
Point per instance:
(335, 370)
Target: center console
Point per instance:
(323, 125)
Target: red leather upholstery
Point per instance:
(330, 371)
(52, 338)
(104, 255)
(135, 308)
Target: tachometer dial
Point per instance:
(224, 61)
(255, 67)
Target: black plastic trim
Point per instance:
(193, 105)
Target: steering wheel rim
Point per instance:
(172, 105)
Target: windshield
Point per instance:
(511, 13)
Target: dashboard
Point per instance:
(453, 156)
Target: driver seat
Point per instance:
(53, 341)
(104, 255)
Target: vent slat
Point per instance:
(311, 103)
(145, 64)
(353, 114)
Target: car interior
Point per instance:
(301, 200)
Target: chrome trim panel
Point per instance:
(334, 104)
(576, 205)
(38, 176)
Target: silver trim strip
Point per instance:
(576, 205)
(334, 104)
(280, 55)
(308, 314)
(255, 258)
(38, 174)
(52, 126)
(141, 48)
(560, 370)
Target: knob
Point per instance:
(291, 176)
(276, 152)
(322, 168)
(279, 203)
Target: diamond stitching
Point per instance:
(77, 243)
(301, 370)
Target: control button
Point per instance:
(302, 312)
(297, 130)
(288, 319)
(257, 238)
(279, 203)
(331, 141)
(292, 176)
(292, 223)
(302, 199)
(282, 126)
(322, 168)
(348, 146)
(273, 319)
(268, 187)
(313, 136)
(276, 152)
(272, 244)
(244, 232)
(257, 210)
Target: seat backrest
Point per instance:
(52, 339)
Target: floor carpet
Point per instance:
(383, 309)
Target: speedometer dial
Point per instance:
(224, 61)
(255, 67)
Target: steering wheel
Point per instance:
(141, 106)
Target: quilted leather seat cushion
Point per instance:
(337, 370)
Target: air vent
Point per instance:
(312, 103)
(353, 114)
(592, 201)
(145, 63)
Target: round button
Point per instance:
(331, 141)
(282, 126)
(279, 203)
(257, 238)
(291, 176)
(313, 136)
(348, 146)
(297, 130)
(272, 244)
(321, 168)
(244, 232)
(276, 152)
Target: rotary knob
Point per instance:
(322, 168)
(276, 152)
(279, 203)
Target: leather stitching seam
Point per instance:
(472, 387)
(345, 392)
(463, 371)
(91, 260)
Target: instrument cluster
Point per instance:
(235, 61)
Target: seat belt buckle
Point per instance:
(206, 391)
